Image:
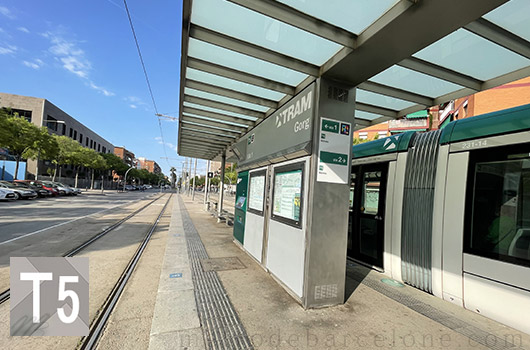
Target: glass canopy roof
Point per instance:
(243, 59)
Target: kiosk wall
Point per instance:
(299, 162)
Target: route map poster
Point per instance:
(287, 194)
(257, 189)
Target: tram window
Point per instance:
(500, 205)
(352, 189)
(371, 185)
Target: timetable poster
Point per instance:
(287, 194)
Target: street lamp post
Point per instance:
(125, 177)
(38, 154)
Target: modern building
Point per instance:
(126, 155)
(42, 112)
(502, 97)
(149, 165)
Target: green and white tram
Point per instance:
(448, 212)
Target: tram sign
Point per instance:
(333, 151)
(49, 296)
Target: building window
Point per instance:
(19, 113)
(104, 149)
(363, 135)
(99, 148)
(498, 204)
(80, 138)
(91, 143)
(75, 134)
(382, 134)
(86, 141)
(51, 123)
(71, 132)
(64, 129)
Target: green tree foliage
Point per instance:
(115, 163)
(67, 149)
(23, 139)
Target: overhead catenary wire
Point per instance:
(146, 78)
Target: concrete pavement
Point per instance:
(375, 315)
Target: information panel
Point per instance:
(288, 195)
(334, 149)
(256, 193)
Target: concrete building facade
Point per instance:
(127, 156)
(42, 112)
(149, 165)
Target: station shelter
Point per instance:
(278, 87)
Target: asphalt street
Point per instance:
(24, 218)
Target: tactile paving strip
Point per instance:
(222, 328)
(478, 335)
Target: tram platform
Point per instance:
(213, 295)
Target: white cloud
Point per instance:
(6, 12)
(100, 89)
(31, 64)
(23, 29)
(133, 106)
(9, 49)
(167, 144)
(73, 59)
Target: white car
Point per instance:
(7, 194)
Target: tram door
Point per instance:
(367, 213)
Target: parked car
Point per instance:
(7, 194)
(60, 189)
(129, 188)
(72, 191)
(41, 192)
(53, 190)
(19, 192)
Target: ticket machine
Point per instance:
(240, 210)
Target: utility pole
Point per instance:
(194, 176)
(206, 185)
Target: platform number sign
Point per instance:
(334, 151)
(49, 296)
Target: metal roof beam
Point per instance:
(210, 130)
(298, 19)
(243, 77)
(396, 93)
(187, 138)
(186, 23)
(376, 110)
(249, 49)
(443, 73)
(217, 116)
(226, 107)
(499, 36)
(218, 90)
(224, 127)
(201, 147)
(189, 131)
(197, 154)
(398, 35)
(198, 146)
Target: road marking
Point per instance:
(66, 222)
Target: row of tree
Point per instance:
(25, 140)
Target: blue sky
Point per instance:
(81, 56)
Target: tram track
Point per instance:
(5, 295)
(98, 325)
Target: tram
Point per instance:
(448, 212)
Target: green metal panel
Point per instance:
(496, 123)
(240, 211)
(417, 115)
(390, 144)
